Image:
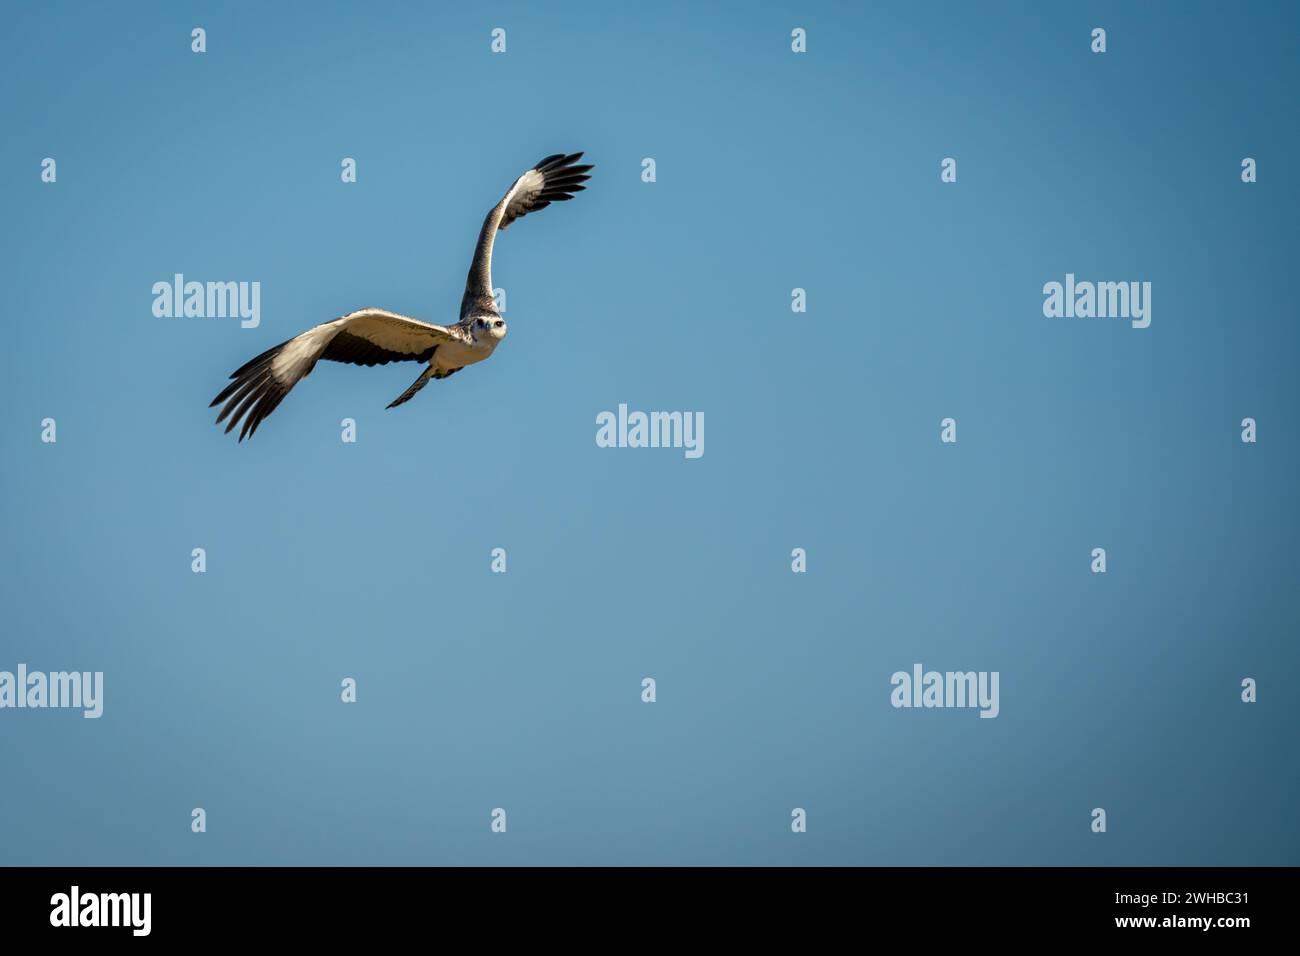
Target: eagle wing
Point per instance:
(554, 179)
(367, 337)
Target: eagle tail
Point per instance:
(418, 384)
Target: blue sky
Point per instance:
(774, 171)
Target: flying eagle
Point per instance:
(377, 337)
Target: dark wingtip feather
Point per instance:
(251, 395)
(557, 161)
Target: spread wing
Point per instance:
(554, 179)
(367, 337)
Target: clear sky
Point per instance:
(522, 690)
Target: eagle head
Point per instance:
(490, 328)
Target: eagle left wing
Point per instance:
(554, 179)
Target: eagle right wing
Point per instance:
(367, 337)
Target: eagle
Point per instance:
(377, 336)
